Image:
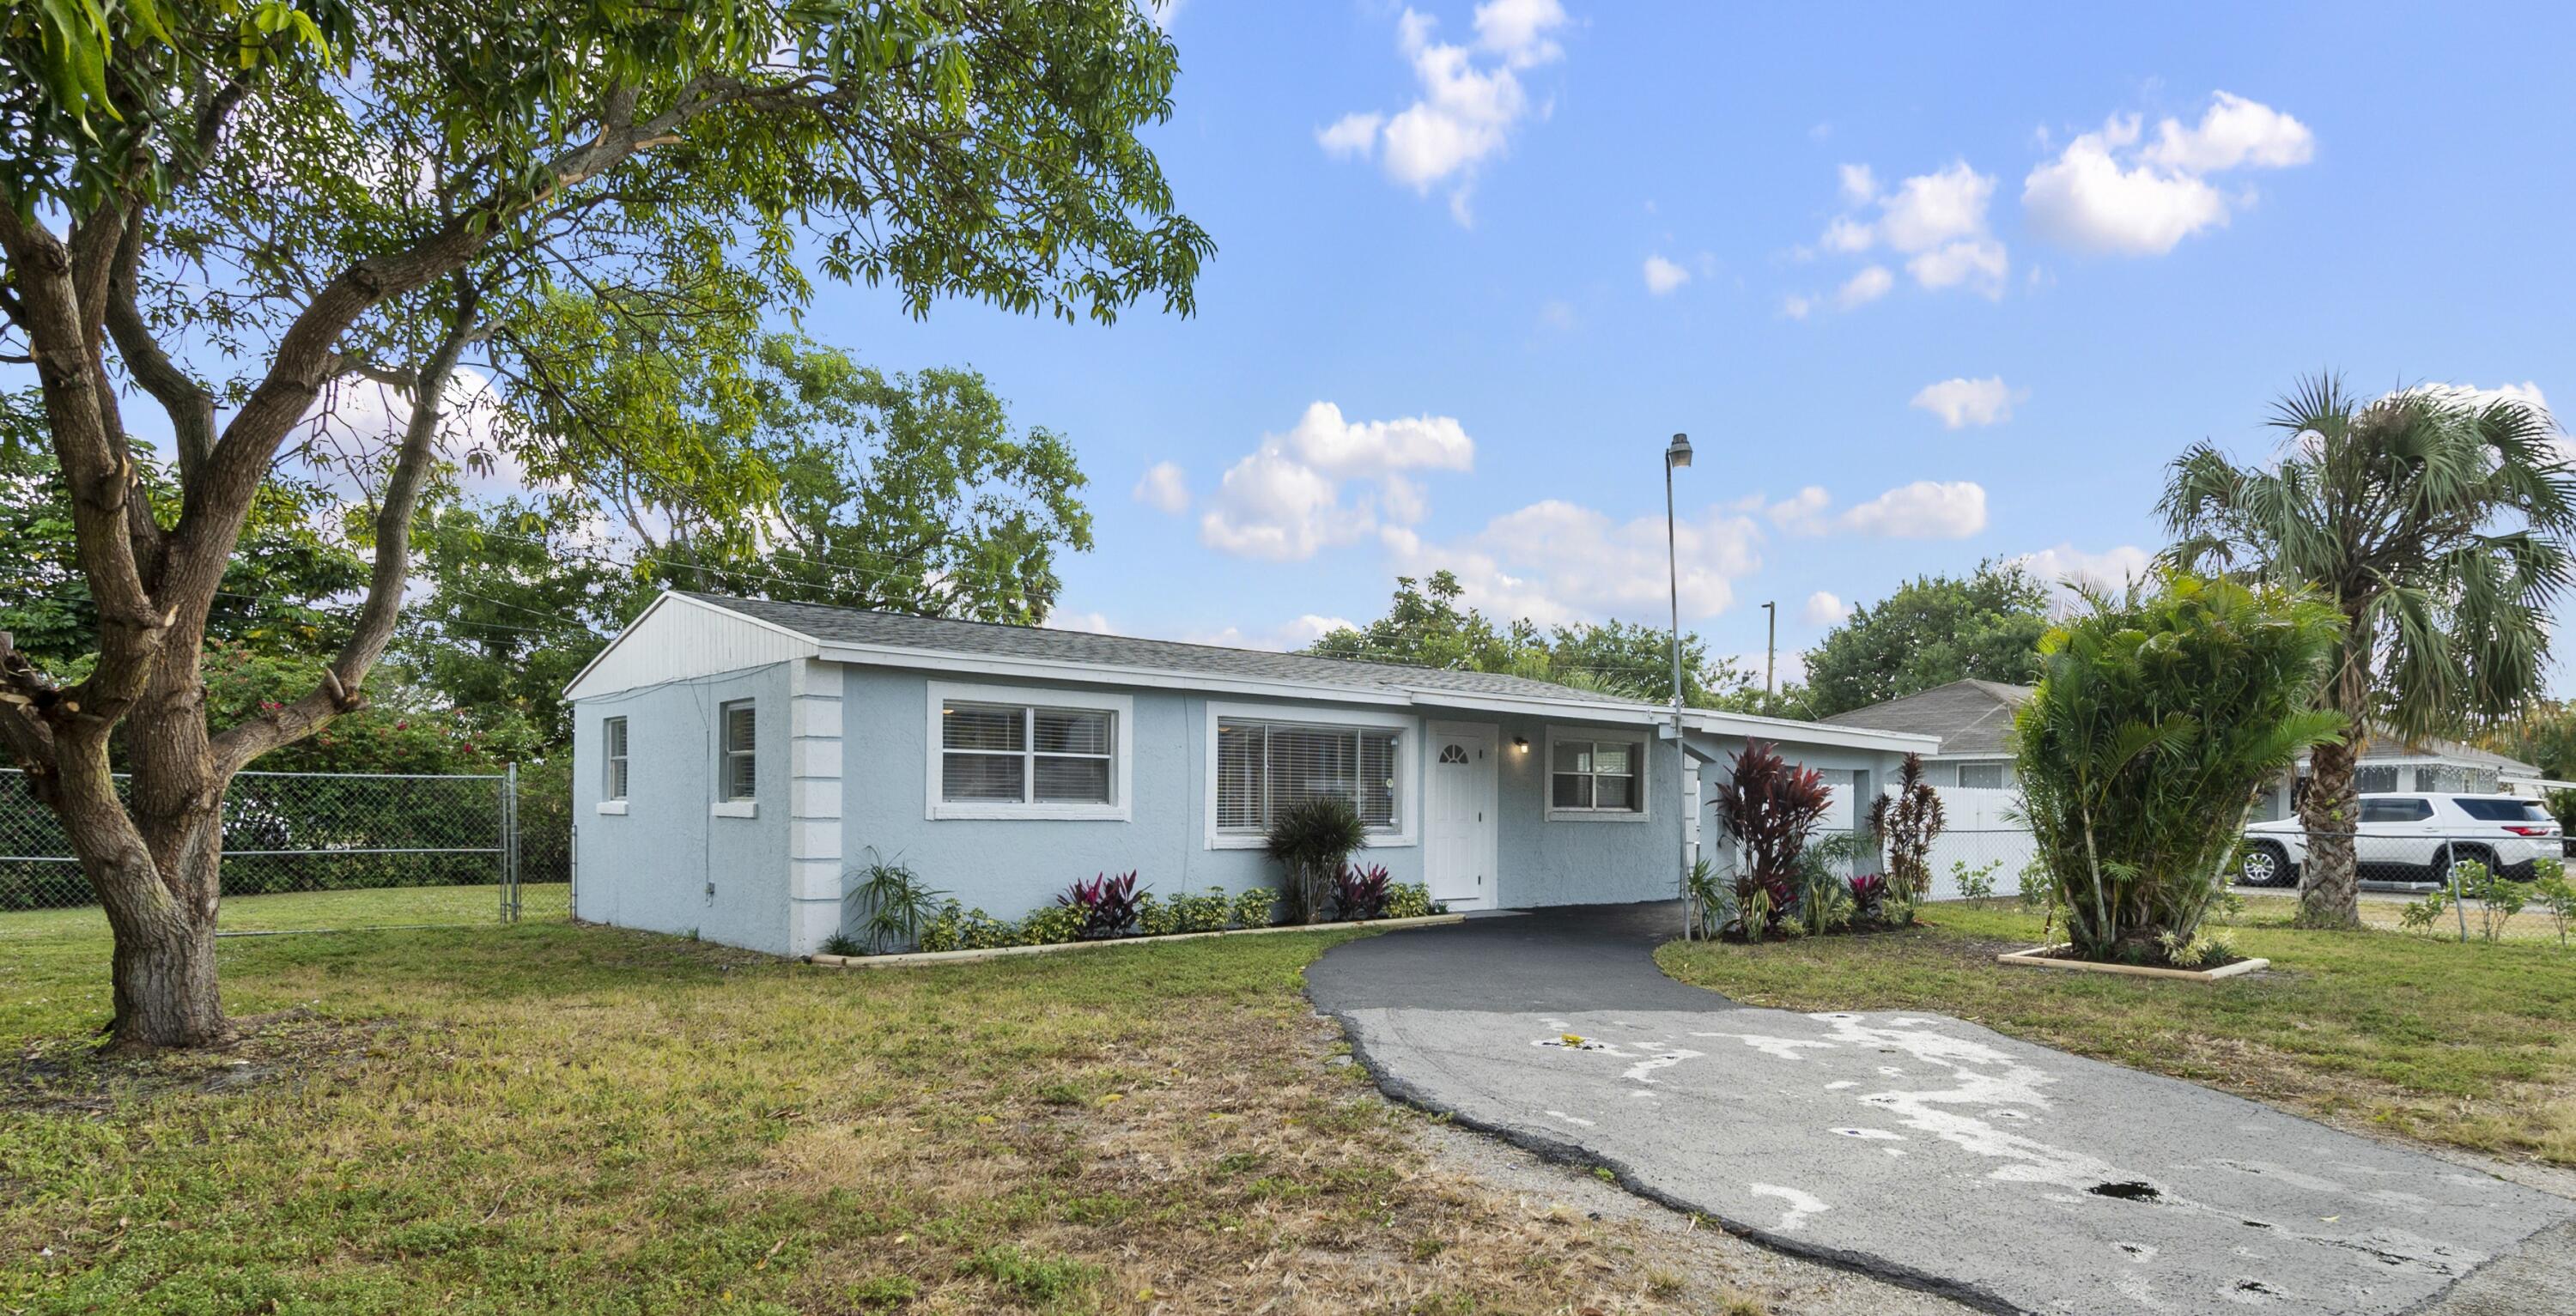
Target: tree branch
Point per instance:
(339, 689)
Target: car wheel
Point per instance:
(2265, 864)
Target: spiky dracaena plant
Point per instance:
(1769, 807)
(2158, 713)
(1906, 823)
(2438, 525)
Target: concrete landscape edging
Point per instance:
(2039, 957)
(995, 952)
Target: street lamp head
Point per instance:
(1678, 455)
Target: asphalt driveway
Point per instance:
(1913, 1146)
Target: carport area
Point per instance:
(1920, 1148)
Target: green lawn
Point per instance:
(416, 906)
(2468, 1045)
(558, 1118)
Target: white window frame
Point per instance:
(1122, 763)
(1645, 743)
(1408, 776)
(614, 770)
(727, 804)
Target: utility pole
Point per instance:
(1771, 647)
(1676, 456)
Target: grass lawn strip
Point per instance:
(583, 1119)
(2465, 1045)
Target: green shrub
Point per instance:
(1313, 839)
(969, 929)
(2158, 713)
(2420, 915)
(1976, 883)
(1200, 913)
(842, 943)
(1409, 900)
(1052, 925)
(1256, 908)
(889, 904)
(2557, 899)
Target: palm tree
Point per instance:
(2440, 525)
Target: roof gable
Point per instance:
(1970, 717)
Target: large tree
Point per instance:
(1426, 626)
(2438, 524)
(911, 493)
(253, 212)
(1933, 630)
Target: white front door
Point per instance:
(1459, 864)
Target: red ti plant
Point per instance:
(1769, 807)
(1905, 823)
(1108, 904)
(1360, 893)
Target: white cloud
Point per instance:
(2108, 192)
(2066, 566)
(1797, 307)
(1964, 402)
(1979, 263)
(1860, 185)
(1284, 501)
(1517, 30)
(1094, 623)
(1823, 609)
(1554, 562)
(1296, 634)
(1662, 276)
(1466, 111)
(1936, 220)
(1352, 134)
(1931, 210)
(1801, 513)
(1867, 286)
(2233, 133)
(1164, 489)
(1326, 441)
(1925, 509)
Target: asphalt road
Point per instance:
(1917, 1147)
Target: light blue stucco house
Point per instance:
(735, 759)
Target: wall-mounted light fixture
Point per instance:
(1521, 744)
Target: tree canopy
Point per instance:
(1425, 626)
(1933, 630)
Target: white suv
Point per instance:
(2413, 838)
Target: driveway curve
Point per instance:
(1916, 1147)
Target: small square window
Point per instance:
(738, 772)
(612, 738)
(1981, 776)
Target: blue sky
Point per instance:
(2144, 226)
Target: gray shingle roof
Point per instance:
(831, 625)
(1970, 717)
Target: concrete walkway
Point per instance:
(1916, 1147)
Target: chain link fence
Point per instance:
(307, 851)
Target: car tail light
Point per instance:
(2519, 830)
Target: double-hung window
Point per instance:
(612, 742)
(999, 753)
(1265, 767)
(1596, 776)
(738, 775)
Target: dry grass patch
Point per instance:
(582, 1119)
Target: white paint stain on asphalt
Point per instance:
(1648, 1056)
(1571, 1119)
(1801, 1205)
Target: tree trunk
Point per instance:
(2330, 882)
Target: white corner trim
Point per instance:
(1645, 776)
(1122, 753)
(1408, 771)
(612, 807)
(734, 809)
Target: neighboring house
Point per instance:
(1974, 718)
(735, 759)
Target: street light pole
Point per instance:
(1770, 648)
(1678, 455)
